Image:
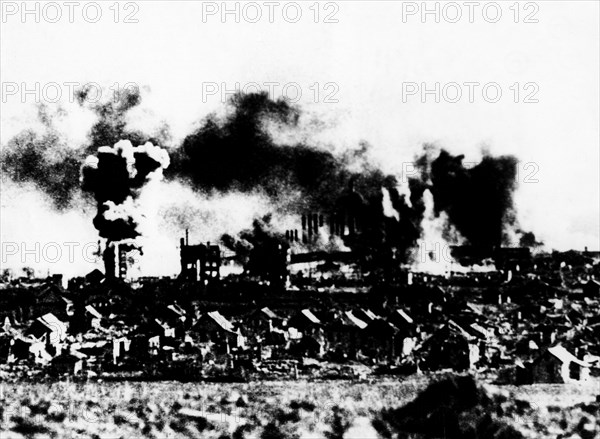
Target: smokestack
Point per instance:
(122, 264)
(187, 237)
(109, 261)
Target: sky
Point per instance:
(363, 70)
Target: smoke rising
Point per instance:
(239, 153)
(44, 156)
(115, 177)
(237, 159)
(477, 200)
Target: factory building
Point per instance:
(115, 260)
(345, 221)
(201, 262)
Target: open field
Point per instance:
(283, 409)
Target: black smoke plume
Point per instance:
(46, 159)
(478, 200)
(238, 153)
(111, 125)
(43, 158)
(115, 177)
(258, 248)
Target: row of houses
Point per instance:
(542, 339)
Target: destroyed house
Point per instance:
(306, 322)
(400, 319)
(449, 347)
(92, 316)
(345, 332)
(380, 340)
(214, 328)
(50, 299)
(175, 314)
(164, 330)
(28, 348)
(346, 323)
(120, 347)
(48, 328)
(263, 320)
(558, 365)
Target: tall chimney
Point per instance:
(122, 264)
(109, 261)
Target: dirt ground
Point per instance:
(283, 409)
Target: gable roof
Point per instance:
(176, 309)
(369, 314)
(221, 321)
(52, 322)
(565, 356)
(457, 329)
(269, 313)
(94, 276)
(404, 316)
(480, 331)
(49, 293)
(474, 307)
(355, 320)
(93, 311)
(310, 316)
(47, 323)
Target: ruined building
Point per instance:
(200, 262)
(115, 260)
(345, 221)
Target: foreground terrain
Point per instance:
(416, 408)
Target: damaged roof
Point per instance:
(565, 356)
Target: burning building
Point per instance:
(344, 221)
(115, 177)
(115, 261)
(201, 262)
